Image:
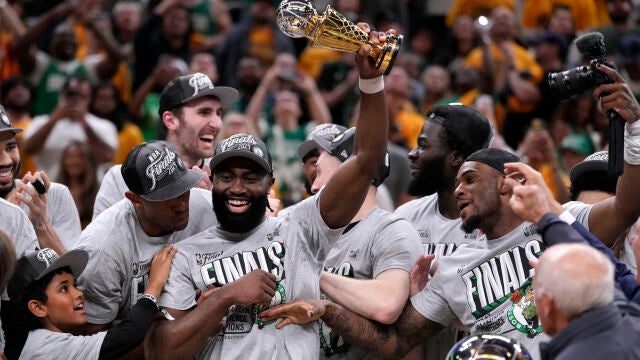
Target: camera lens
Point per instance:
(569, 83)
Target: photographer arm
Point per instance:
(610, 217)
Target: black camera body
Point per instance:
(566, 84)
(569, 83)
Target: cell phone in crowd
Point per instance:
(39, 186)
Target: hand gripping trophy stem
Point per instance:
(331, 30)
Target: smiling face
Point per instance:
(9, 162)
(199, 122)
(64, 309)
(240, 189)
(428, 170)
(477, 196)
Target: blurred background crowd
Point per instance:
(109, 60)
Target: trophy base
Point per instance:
(389, 53)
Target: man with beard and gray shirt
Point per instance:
(292, 249)
(450, 134)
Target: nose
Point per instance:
(457, 193)
(315, 187)
(77, 293)
(413, 154)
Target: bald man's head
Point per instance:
(575, 278)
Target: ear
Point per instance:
(456, 159)
(37, 308)
(133, 197)
(170, 121)
(503, 187)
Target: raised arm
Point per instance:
(23, 45)
(344, 193)
(609, 218)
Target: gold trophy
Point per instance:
(331, 30)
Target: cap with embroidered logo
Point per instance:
(242, 145)
(36, 265)
(194, 86)
(5, 122)
(596, 162)
(326, 132)
(155, 171)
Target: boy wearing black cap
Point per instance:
(290, 249)
(44, 291)
(161, 207)
(190, 112)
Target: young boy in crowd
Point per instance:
(44, 291)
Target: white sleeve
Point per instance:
(112, 189)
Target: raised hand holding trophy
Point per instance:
(331, 30)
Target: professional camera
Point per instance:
(569, 83)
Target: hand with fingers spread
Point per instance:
(160, 268)
(617, 96)
(421, 273)
(298, 312)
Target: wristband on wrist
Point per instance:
(149, 297)
(632, 143)
(371, 86)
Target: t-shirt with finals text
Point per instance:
(293, 248)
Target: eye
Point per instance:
(64, 289)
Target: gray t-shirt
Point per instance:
(17, 225)
(62, 213)
(379, 242)
(293, 248)
(120, 255)
(487, 285)
(439, 235)
(581, 212)
(44, 345)
(112, 189)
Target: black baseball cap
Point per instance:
(155, 171)
(242, 145)
(464, 122)
(326, 133)
(496, 158)
(36, 265)
(5, 122)
(194, 86)
(340, 145)
(596, 162)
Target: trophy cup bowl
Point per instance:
(331, 30)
